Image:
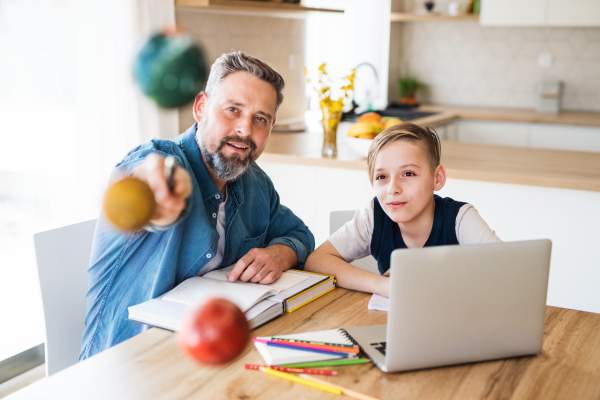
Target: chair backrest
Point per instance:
(337, 219)
(63, 256)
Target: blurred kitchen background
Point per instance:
(69, 110)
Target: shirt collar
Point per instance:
(189, 145)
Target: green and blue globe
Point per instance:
(171, 69)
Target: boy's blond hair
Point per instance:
(426, 137)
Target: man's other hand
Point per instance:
(169, 205)
(263, 265)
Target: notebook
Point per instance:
(260, 303)
(281, 356)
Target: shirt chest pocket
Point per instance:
(251, 243)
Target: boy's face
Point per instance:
(403, 181)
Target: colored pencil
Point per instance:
(327, 363)
(289, 346)
(346, 391)
(352, 346)
(354, 350)
(295, 370)
(304, 346)
(284, 375)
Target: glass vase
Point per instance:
(331, 120)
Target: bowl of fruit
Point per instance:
(369, 125)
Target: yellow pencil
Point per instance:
(326, 387)
(347, 392)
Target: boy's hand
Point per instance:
(263, 265)
(387, 273)
(169, 205)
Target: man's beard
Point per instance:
(226, 168)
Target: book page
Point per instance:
(198, 289)
(285, 281)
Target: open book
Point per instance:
(260, 303)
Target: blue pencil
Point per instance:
(334, 353)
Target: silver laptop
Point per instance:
(461, 304)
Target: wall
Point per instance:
(277, 41)
(466, 64)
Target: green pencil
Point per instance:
(327, 363)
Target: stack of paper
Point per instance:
(379, 302)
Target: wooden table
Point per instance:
(150, 366)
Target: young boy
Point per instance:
(405, 170)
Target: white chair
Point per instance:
(337, 219)
(63, 256)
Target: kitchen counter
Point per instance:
(451, 113)
(526, 166)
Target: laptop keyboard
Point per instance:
(380, 346)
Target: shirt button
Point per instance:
(214, 215)
(208, 255)
(218, 196)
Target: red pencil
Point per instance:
(295, 370)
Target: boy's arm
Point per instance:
(327, 260)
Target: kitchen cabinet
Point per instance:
(541, 136)
(540, 13)
(513, 12)
(573, 13)
(563, 137)
(407, 17)
(496, 133)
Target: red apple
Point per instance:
(215, 332)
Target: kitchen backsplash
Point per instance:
(466, 64)
(279, 42)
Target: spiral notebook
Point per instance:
(281, 356)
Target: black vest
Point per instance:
(387, 237)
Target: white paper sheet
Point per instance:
(378, 302)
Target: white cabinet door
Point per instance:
(513, 12)
(573, 13)
(565, 137)
(497, 133)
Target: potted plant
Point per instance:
(408, 87)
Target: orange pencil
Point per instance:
(295, 370)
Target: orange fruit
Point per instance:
(392, 122)
(129, 204)
(367, 136)
(371, 117)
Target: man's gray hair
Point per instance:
(239, 61)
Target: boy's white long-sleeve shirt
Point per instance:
(353, 240)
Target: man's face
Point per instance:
(235, 123)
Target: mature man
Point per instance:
(223, 208)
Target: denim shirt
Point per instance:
(130, 268)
